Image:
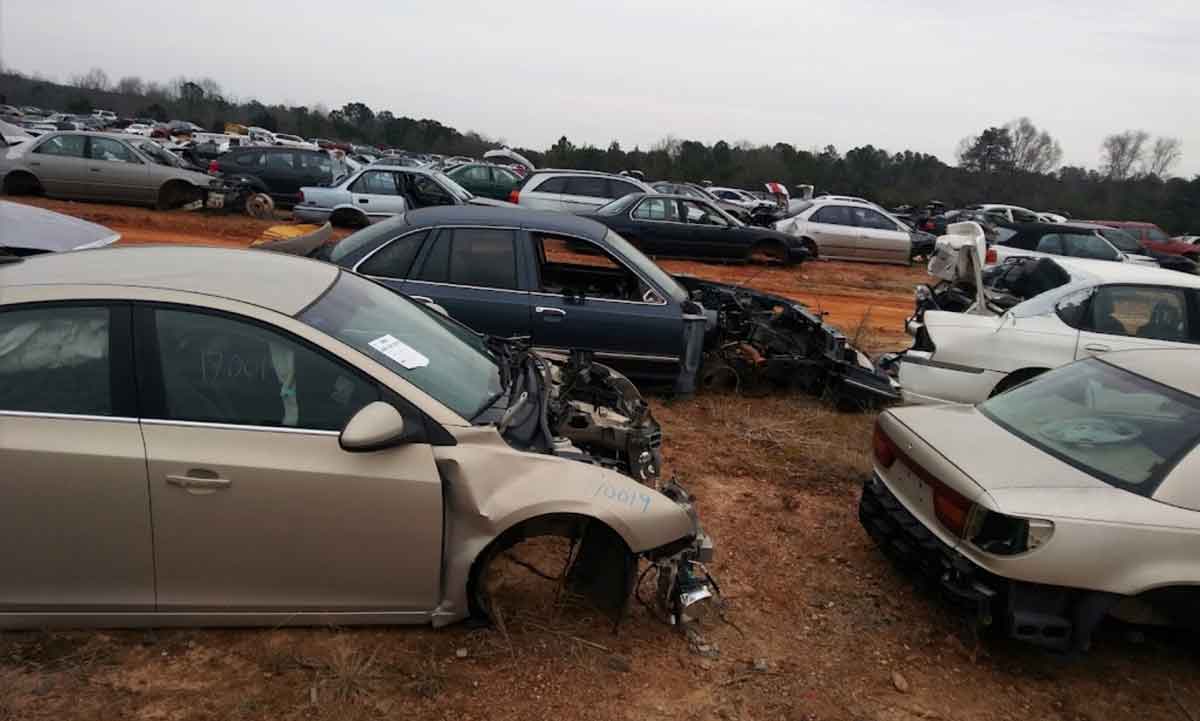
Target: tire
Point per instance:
(176, 193)
(260, 206)
(345, 218)
(768, 251)
(1016, 378)
(811, 247)
(20, 182)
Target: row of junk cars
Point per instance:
(456, 377)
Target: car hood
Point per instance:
(994, 458)
(27, 227)
(1173, 246)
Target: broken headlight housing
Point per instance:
(1004, 535)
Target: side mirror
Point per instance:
(377, 426)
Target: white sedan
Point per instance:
(968, 357)
(1052, 505)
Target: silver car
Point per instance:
(848, 231)
(100, 166)
(575, 191)
(205, 436)
(381, 190)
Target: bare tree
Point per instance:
(130, 85)
(1120, 152)
(1033, 150)
(1165, 153)
(94, 79)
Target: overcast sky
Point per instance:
(915, 75)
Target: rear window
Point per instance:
(588, 187)
(550, 185)
(1119, 427)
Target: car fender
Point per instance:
(490, 487)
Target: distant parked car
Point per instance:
(380, 191)
(1190, 239)
(101, 166)
(294, 141)
(1128, 244)
(485, 179)
(279, 171)
(1007, 213)
(697, 191)
(29, 230)
(681, 226)
(1072, 241)
(1154, 238)
(138, 129)
(107, 116)
(852, 231)
(1052, 505)
(744, 198)
(573, 191)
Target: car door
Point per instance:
(833, 229)
(255, 506)
(503, 182)
(880, 238)
(584, 193)
(710, 234)
(1125, 317)
(624, 320)
(654, 226)
(477, 179)
(75, 519)
(473, 274)
(315, 168)
(377, 193)
(61, 165)
(278, 170)
(117, 173)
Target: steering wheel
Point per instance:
(1089, 431)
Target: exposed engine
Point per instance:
(758, 338)
(590, 412)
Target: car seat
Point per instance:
(1166, 323)
(1103, 319)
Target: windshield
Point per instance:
(620, 205)
(155, 152)
(460, 192)
(1121, 240)
(646, 266)
(1157, 235)
(435, 354)
(1119, 427)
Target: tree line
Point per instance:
(1014, 163)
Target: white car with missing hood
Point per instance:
(971, 356)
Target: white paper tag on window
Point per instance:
(399, 351)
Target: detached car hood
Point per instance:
(995, 459)
(25, 228)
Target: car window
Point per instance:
(504, 176)
(551, 185)
(619, 189)
(394, 259)
(248, 159)
(427, 191)
(217, 369)
(65, 145)
(1157, 235)
(375, 182)
(1023, 216)
(278, 161)
(111, 150)
(1153, 312)
(700, 214)
(55, 360)
(587, 186)
(474, 174)
(656, 209)
(574, 266)
(833, 215)
(867, 218)
(1088, 245)
(320, 162)
(1121, 428)
(483, 257)
(1051, 243)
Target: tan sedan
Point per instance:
(200, 436)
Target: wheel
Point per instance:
(175, 194)
(768, 251)
(21, 183)
(345, 218)
(1014, 379)
(260, 205)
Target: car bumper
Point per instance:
(309, 214)
(925, 380)
(1048, 616)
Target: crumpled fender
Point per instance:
(490, 487)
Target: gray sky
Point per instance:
(918, 75)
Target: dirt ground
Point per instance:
(819, 625)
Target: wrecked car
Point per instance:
(1046, 508)
(296, 444)
(566, 282)
(102, 166)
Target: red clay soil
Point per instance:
(819, 625)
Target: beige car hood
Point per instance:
(991, 456)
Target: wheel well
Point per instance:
(348, 217)
(21, 181)
(811, 244)
(175, 193)
(1016, 378)
(598, 542)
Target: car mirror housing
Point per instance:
(376, 426)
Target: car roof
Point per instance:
(280, 282)
(1106, 271)
(489, 216)
(1174, 367)
(567, 171)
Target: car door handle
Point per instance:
(552, 313)
(199, 481)
(364, 201)
(1097, 348)
(94, 170)
(35, 163)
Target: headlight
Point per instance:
(1005, 535)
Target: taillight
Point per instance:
(952, 508)
(514, 196)
(885, 448)
(213, 167)
(301, 197)
(991, 257)
(928, 225)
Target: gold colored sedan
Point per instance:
(197, 436)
